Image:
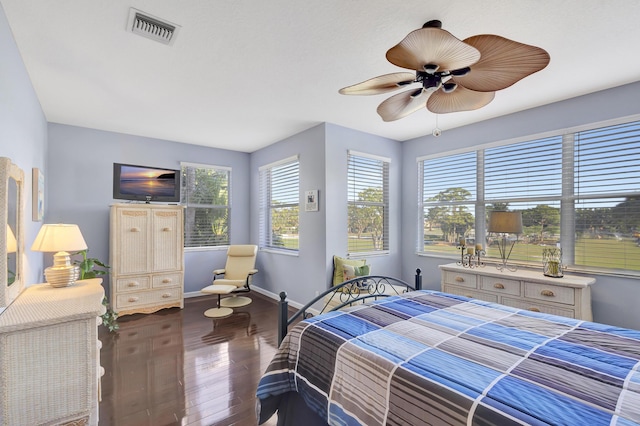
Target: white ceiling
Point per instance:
(243, 74)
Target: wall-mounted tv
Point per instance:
(143, 183)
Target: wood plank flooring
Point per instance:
(177, 367)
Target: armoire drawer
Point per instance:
(167, 280)
(133, 283)
(472, 294)
(150, 297)
(531, 305)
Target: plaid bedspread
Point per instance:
(428, 357)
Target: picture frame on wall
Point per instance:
(38, 195)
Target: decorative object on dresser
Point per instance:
(60, 238)
(531, 290)
(50, 365)
(146, 257)
(503, 222)
(552, 262)
(470, 257)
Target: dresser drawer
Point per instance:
(149, 297)
(167, 280)
(550, 293)
(538, 307)
(460, 279)
(472, 294)
(500, 285)
(133, 283)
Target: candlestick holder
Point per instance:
(464, 256)
(479, 254)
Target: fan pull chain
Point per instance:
(436, 131)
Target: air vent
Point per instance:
(149, 26)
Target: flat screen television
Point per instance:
(143, 183)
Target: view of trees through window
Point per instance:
(579, 191)
(280, 205)
(368, 203)
(205, 193)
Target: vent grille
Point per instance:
(151, 27)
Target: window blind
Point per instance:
(206, 195)
(448, 191)
(579, 190)
(280, 205)
(607, 193)
(367, 203)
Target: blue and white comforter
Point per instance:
(428, 357)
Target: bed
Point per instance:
(427, 357)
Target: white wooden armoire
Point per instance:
(146, 257)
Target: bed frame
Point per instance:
(357, 290)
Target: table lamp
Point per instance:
(502, 222)
(60, 238)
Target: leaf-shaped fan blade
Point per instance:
(503, 63)
(403, 104)
(432, 46)
(382, 84)
(460, 99)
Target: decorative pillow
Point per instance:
(350, 272)
(338, 267)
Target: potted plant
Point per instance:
(91, 267)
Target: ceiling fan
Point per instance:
(454, 75)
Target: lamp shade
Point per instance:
(12, 244)
(59, 237)
(505, 222)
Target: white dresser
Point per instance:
(569, 296)
(50, 355)
(146, 257)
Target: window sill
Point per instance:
(293, 253)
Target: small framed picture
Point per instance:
(311, 200)
(38, 195)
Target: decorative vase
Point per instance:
(552, 262)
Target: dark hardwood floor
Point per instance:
(177, 367)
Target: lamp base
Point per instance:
(62, 276)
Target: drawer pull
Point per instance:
(133, 299)
(166, 229)
(499, 285)
(135, 229)
(459, 279)
(470, 296)
(133, 284)
(534, 309)
(166, 280)
(547, 293)
(166, 295)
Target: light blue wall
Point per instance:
(23, 133)
(615, 299)
(80, 186)
(301, 275)
(323, 166)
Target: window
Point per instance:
(367, 203)
(280, 204)
(578, 190)
(205, 193)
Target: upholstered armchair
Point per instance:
(238, 272)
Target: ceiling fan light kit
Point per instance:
(455, 75)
